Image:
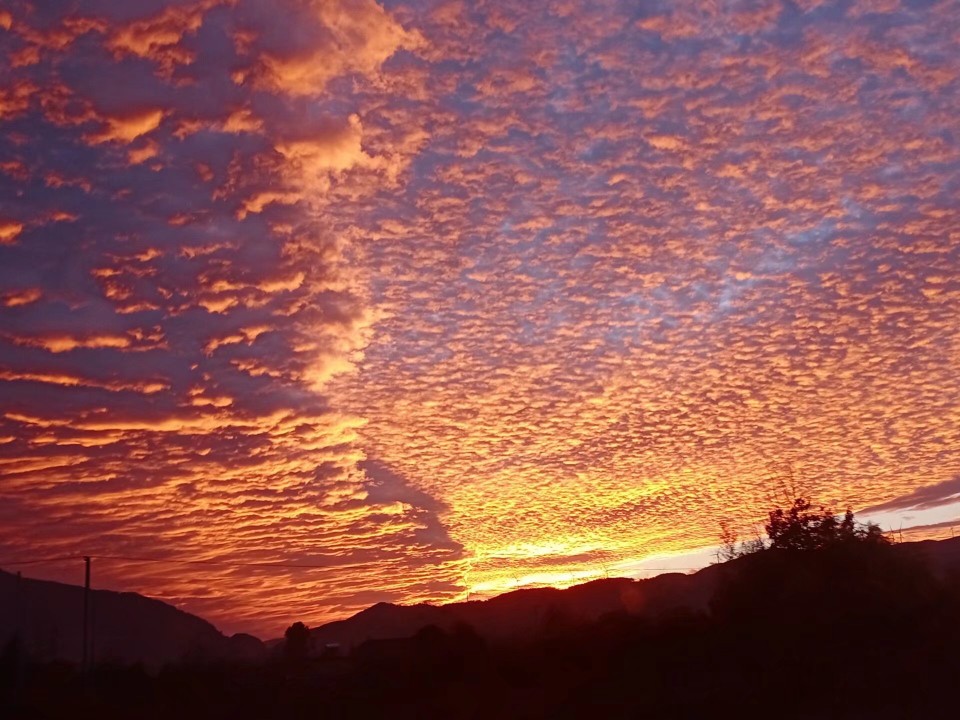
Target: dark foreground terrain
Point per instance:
(853, 630)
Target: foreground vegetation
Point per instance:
(825, 619)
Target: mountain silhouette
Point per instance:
(526, 613)
(131, 628)
(126, 627)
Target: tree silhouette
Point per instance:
(800, 527)
(803, 527)
(297, 642)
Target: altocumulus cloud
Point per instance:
(657, 259)
(466, 293)
(175, 297)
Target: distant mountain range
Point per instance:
(131, 628)
(126, 627)
(524, 613)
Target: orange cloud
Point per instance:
(360, 37)
(15, 99)
(127, 128)
(66, 343)
(15, 298)
(159, 38)
(9, 231)
(141, 154)
(329, 150)
(147, 387)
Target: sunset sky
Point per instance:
(451, 298)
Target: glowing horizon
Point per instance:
(458, 297)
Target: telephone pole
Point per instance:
(20, 640)
(86, 614)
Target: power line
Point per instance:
(38, 561)
(231, 563)
(236, 563)
(667, 569)
(185, 561)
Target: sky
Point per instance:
(445, 298)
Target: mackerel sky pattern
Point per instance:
(454, 297)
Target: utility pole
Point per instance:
(19, 606)
(20, 639)
(86, 614)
